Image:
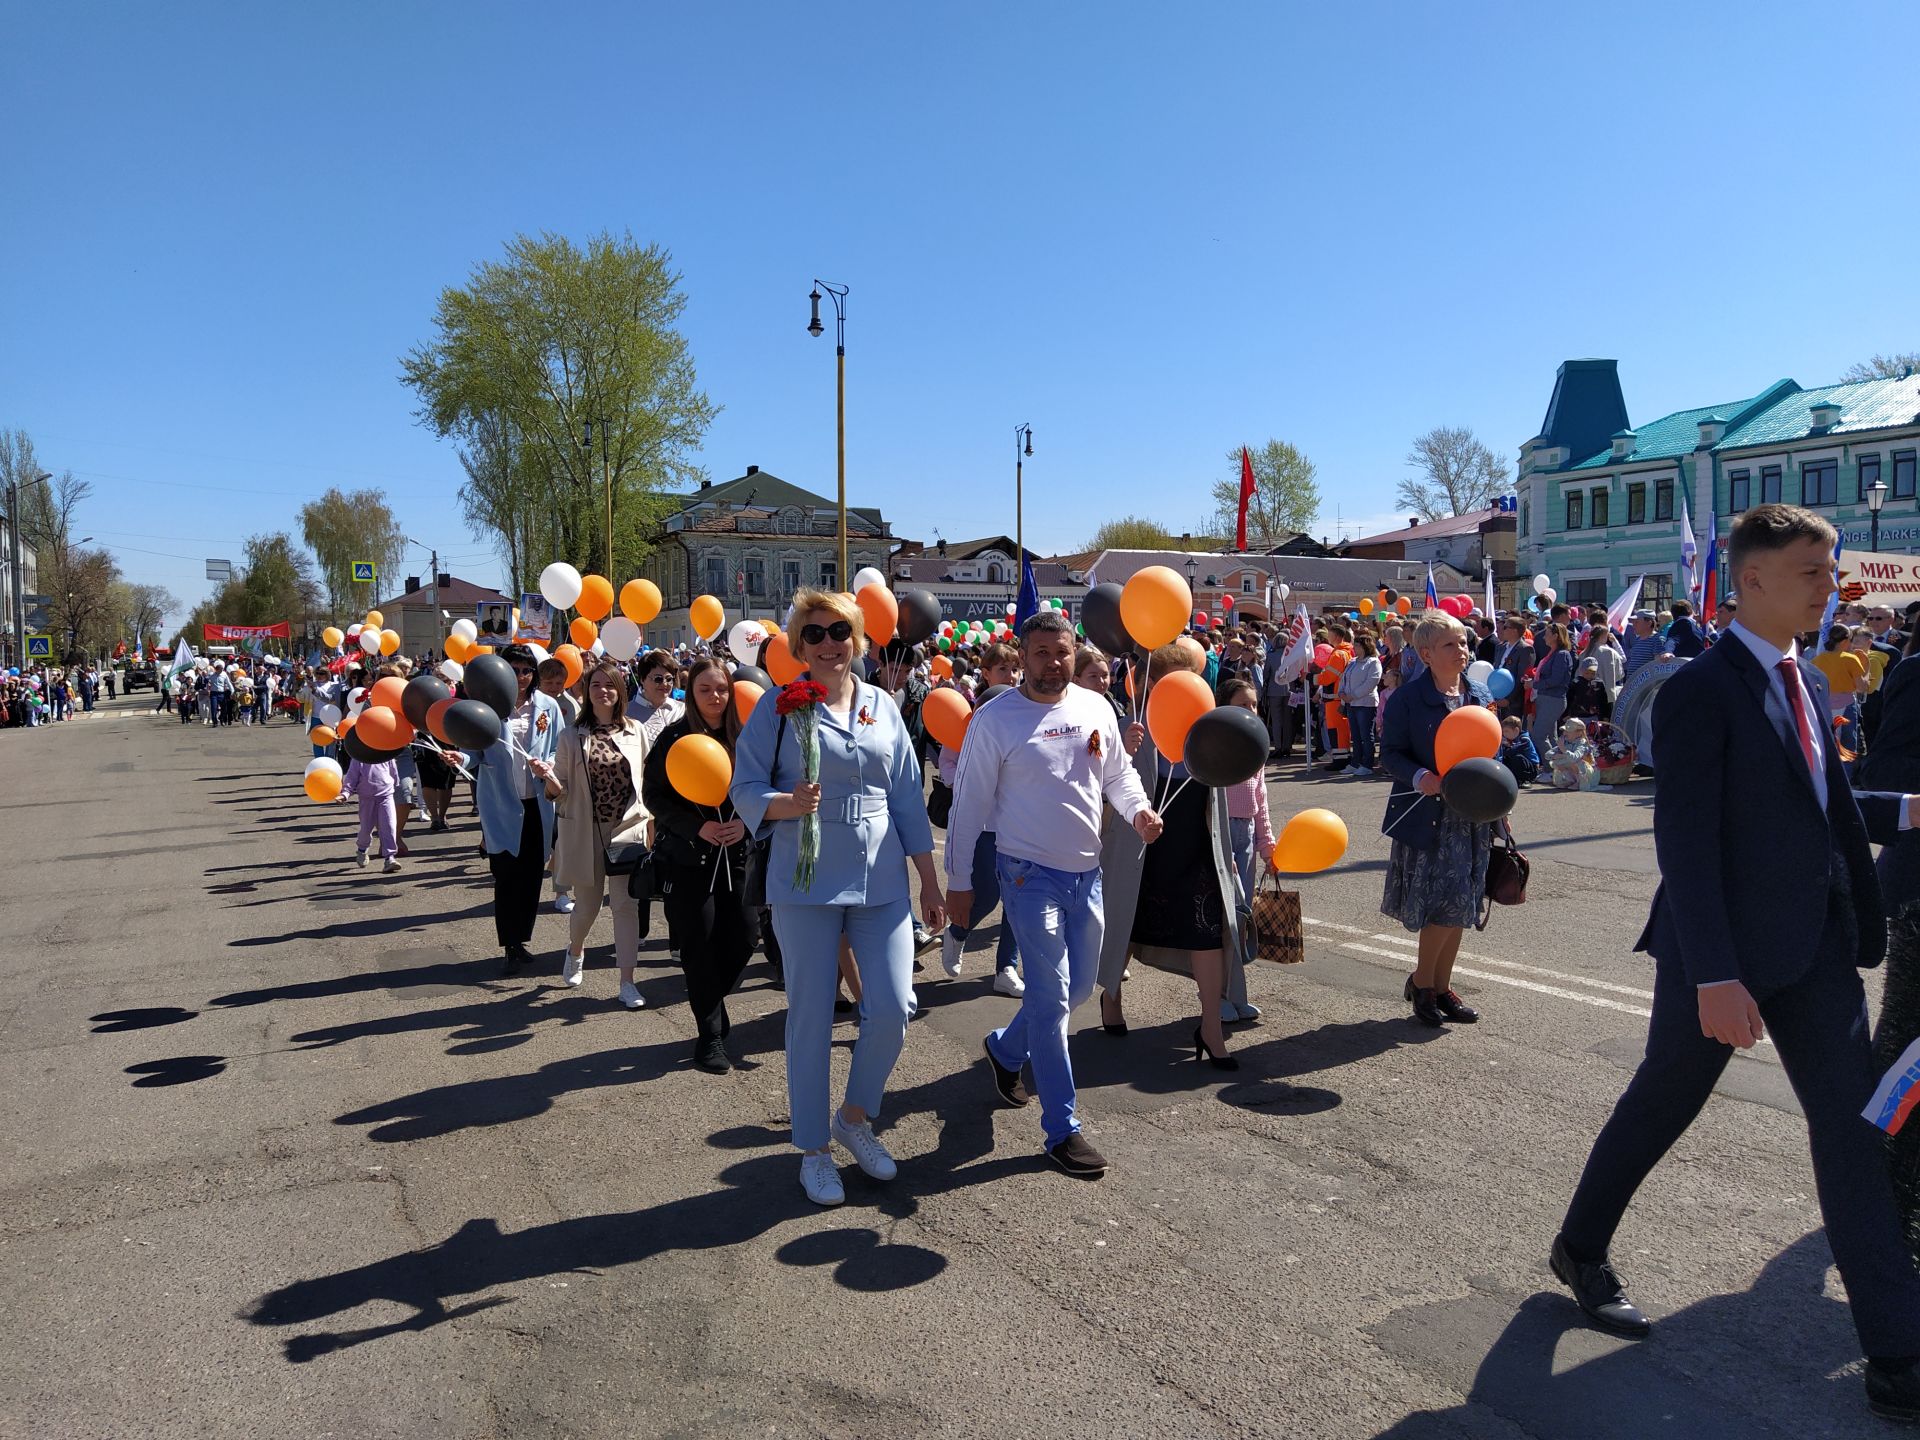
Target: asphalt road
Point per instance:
(286, 1155)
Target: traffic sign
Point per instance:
(39, 647)
(363, 572)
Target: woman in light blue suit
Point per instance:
(873, 820)
(516, 817)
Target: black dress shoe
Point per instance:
(710, 1055)
(1598, 1292)
(1426, 1009)
(1454, 1008)
(1894, 1394)
(1013, 1092)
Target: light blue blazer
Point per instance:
(493, 773)
(873, 813)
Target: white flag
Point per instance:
(1622, 609)
(1689, 554)
(1299, 647)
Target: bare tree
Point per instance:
(1458, 474)
(1882, 367)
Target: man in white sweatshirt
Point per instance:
(1036, 763)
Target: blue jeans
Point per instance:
(1058, 921)
(1361, 718)
(882, 940)
(986, 895)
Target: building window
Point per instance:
(1663, 500)
(1576, 508)
(715, 571)
(789, 578)
(1636, 504)
(1599, 510)
(1583, 593)
(1526, 518)
(1739, 487)
(1866, 475)
(1903, 474)
(829, 575)
(756, 577)
(1656, 592)
(1246, 584)
(1769, 484)
(791, 522)
(1820, 482)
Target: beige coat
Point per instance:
(580, 846)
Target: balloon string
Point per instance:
(1408, 811)
(1176, 791)
(720, 855)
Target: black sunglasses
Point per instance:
(841, 630)
(659, 677)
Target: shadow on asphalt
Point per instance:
(112, 1022)
(361, 929)
(461, 972)
(177, 1070)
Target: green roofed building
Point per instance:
(1600, 498)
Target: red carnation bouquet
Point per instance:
(800, 703)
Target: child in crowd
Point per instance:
(1517, 751)
(1572, 759)
(1587, 696)
(374, 787)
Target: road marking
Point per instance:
(1515, 965)
(1513, 980)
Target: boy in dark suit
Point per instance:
(1767, 912)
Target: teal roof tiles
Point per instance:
(1864, 405)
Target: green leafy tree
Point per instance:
(1286, 497)
(1456, 474)
(341, 528)
(275, 582)
(1131, 532)
(1883, 367)
(561, 375)
(141, 611)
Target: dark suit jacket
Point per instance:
(1518, 662)
(1685, 637)
(1745, 850)
(1894, 764)
(1409, 722)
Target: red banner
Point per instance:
(221, 633)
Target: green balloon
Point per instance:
(945, 643)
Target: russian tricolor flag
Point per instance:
(1898, 1093)
(1710, 579)
(1433, 596)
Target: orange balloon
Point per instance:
(569, 656)
(375, 620)
(1470, 733)
(596, 598)
(1403, 606)
(347, 722)
(640, 601)
(946, 714)
(387, 692)
(708, 617)
(584, 632)
(882, 610)
(321, 735)
(1173, 704)
(942, 668)
(384, 729)
(480, 650)
(1154, 606)
(700, 769)
(780, 663)
(1310, 842)
(746, 695)
(332, 636)
(437, 719)
(459, 650)
(322, 785)
(389, 642)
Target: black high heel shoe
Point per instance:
(1219, 1062)
(1112, 1027)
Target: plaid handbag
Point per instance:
(1276, 924)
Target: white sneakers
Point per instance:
(563, 903)
(820, 1178)
(1232, 1014)
(868, 1153)
(1008, 982)
(360, 858)
(950, 954)
(392, 865)
(630, 995)
(573, 968)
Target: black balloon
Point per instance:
(1226, 745)
(470, 724)
(491, 681)
(421, 694)
(919, 616)
(1100, 618)
(991, 691)
(1479, 790)
(358, 749)
(756, 675)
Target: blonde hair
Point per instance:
(840, 606)
(1575, 728)
(1170, 659)
(1433, 625)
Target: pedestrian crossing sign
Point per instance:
(363, 572)
(39, 647)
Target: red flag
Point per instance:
(1246, 494)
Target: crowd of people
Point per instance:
(45, 694)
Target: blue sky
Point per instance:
(1152, 231)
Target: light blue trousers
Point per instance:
(1057, 922)
(882, 939)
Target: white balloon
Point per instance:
(452, 671)
(621, 638)
(1284, 591)
(370, 641)
(560, 583)
(321, 762)
(599, 649)
(328, 715)
(745, 638)
(466, 630)
(1540, 584)
(1550, 594)
(1479, 671)
(866, 576)
(356, 699)
(353, 631)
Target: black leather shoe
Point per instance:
(1454, 1008)
(1426, 1009)
(1598, 1292)
(1894, 1394)
(1013, 1093)
(710, 1055)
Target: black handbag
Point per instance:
(1507, 874)
(940, 802)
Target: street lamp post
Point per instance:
(814, 328)
(1022, 447)
(1876, 497)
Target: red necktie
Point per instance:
(1796, 702)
